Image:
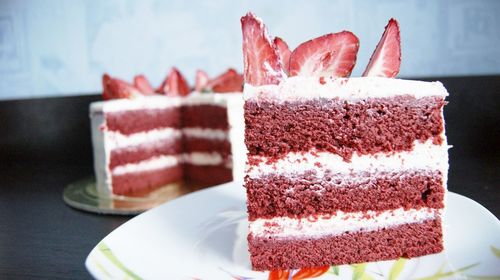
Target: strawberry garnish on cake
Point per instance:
(114, 88)
(229, 81)
(331, 55)
(283, 51)
(386, 59)
(143, 85)
(174, 84)
(262, 65)
(201, 80)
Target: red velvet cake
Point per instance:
(145, 138)
(339, 170)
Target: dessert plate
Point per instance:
(203, 236)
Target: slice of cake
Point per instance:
(144, 138)
(339, 170)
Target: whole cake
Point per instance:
(339, 170)
(144, 138)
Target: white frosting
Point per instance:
(236, 134)
(340, 223)
(424, 156)
(205, 133)
(101, 155)
(351, 89)
(116, 140)
(150, 102)
(147, 165)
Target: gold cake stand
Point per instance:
(83, 195)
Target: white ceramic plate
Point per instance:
(203, 236)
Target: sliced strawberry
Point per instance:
(283, 51)
(262, 65)
(386, 59)
(114, 88)
(143, 85)
(230, 81)
(175, 84)
(201, 80)
(331, 55)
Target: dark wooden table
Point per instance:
(45, 144)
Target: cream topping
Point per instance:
(351, 89)
(149, 102)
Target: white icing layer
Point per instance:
(147, 165)
(235, 116)
(206, 133)
(116, 140)
(340, 223)
(351, 89)
(424, 156)
(150, 102)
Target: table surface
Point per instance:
(41, 237)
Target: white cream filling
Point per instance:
(340, 223)
(206, 133)
(147, 165)
(195, 158)
(116, 140)
(424, 156)
(199, 158)
(350, 89)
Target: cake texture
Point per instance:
(339, 170)
(145, 141)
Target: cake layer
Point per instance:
(339, 222)
(205, 116)
(424, 156)
(305, 194)
(143, 181)
(408, 241)
(208, 174)
(144, 151)
(334, 125)
(129, 122)
(195, 144)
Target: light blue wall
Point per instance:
(57, 47)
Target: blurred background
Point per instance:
(55, 47)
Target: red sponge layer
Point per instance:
(337, 126)
(304, 195)
(408, 241)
